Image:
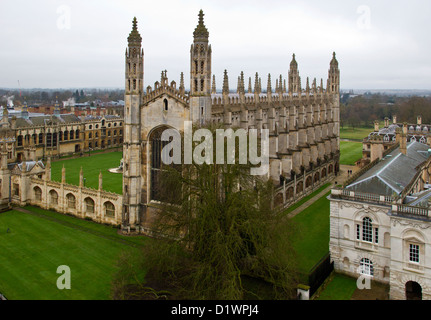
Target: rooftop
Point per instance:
(392, 173)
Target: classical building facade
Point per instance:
(303, 123)
(38, 136)
(380, 225)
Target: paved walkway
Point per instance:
(342, 176)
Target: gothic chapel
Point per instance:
(303, 123)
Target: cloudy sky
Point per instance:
(67, 44)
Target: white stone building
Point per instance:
(380, 223)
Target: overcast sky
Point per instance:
(63, 44)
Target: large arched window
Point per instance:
(109, 209)
(366, 267)
(53, 197)
(89, 205)
(37, 194)
(71, 201)
(157, 145)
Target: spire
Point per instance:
(181, 88)
(24, 110)
(256, 84)
(214, 88)
(250, 90)
(225, 83)
(134, 36)
(241, 88)
(334, 62)
(268, 87)
(56, 108)
(280, 84)
(81, 178)
(293, 63)
(201, 33)
(63, 175)
(100, 180)
(307, 87)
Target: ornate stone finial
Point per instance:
(250, 89)
(181, 81)
(63, 175)
(134, 36)
(225, 83)
(307, 87)
(293, 63)
(201, 33)
(213, 86)
(241, 88)
(100, 180)
(256, 83)
(269, 88)
(334, 61)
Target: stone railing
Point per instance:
(410, 210)
(362, 196)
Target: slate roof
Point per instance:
(393, 173)
(40, 120)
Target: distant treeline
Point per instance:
(362, 110)
(50, 96)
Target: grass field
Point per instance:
(39, 243)
(357, 134)
(350, 152)
(305, 199)
(341, 287)
(311, 240)
(91, 166)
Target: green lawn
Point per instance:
(341, 287)
(305, 199)
(311, 241)
(357, 134)
(37, 245)
(350, 152)
(91, 166)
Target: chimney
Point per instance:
(376, 125)
(419, 120)
(394, 119)
(403, 140)
(386, 122)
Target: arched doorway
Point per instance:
(413, 291)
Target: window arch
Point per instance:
(71, 201)
(89, 205)
(366, 267)
(109, 209)
(53, 197)
(37, 193)
(367, 231)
